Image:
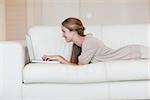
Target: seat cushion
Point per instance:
(128, 70)
(61, 73)
(97, 72)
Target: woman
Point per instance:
(87, 49)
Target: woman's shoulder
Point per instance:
(91, 38)
(92, 41)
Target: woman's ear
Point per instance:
(73, 32)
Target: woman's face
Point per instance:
(67, 34)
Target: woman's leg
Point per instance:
(145, 52)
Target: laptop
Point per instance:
(41, 61)
(31, 53)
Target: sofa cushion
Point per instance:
(127, 70)
(116, 36)
(95, 30)
(47, 40)
(61, 73)
(97, 72)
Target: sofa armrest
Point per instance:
(12, 61)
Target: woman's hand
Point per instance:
(55, 58)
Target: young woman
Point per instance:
(88, 49)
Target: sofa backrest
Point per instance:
(46, 40)
(116, 36)
(49, 40)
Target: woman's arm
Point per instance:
(57, 58)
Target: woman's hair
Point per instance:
(74, 24)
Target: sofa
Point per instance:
(20, 79)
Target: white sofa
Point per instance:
(122, 79)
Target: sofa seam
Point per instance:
(108, 84)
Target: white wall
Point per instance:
(114, 11)
(23, 14)
(52, 12)
(15, 19)
(2, 20)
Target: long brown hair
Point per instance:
(74, 24)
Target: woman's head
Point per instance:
(71, 26)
